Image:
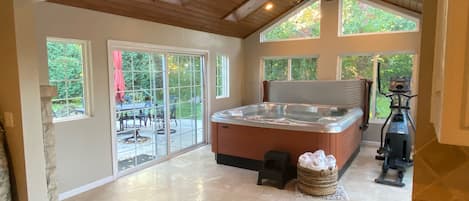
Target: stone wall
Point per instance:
(47, 92)
(5, 189)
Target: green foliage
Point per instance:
(142, 71)
(65, 61)
(66, 73)
(221, 68)
(392, 66)
(303, 68)
(358, 17)
(143, 75)
(275, 69)
(304, 24)
(357, 67)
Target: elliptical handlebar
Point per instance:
(391, 94)
(379, 81)
(409, 96)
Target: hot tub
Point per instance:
(299, 117)
(241, 136)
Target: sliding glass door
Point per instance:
(185, 98)
(158, 105)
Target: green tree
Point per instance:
(359, 17)
(392, 66)
(303, 68)
(304, 24)
(65, 62)
(275, 69)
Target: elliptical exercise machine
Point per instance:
(396, 146)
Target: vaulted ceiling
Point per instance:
(411, 5)
(238, 18)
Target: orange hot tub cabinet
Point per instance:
(244, 146)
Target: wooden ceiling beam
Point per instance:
(176, 2)
(184, 2)
(215, 9)
(244, 10)
(408, 10)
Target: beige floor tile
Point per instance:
(196, 176)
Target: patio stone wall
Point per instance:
(47, 92)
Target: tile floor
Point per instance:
(196, 176)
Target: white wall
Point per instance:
(328, 47)
(31, 123)
(18, 87)
(84, 150)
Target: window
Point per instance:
(304, 23)
(365, 67)
(223, 78)
(359, 17)
(67, 60)
(303, 68)
(290, 68)
(275, 69)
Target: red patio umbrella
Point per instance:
(119, 82)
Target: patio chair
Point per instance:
(160, 115)
(143, 117)
(123, 118)
(160, 119)
(172, 113)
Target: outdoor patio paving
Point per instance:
(152, 143)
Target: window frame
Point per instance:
(374, 86)
(289, 66)
(87, 77)
(387, 9)
(225, 77)
(284, 18)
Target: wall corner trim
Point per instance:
(86, 187)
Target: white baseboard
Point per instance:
(84, 188)
(370, 143)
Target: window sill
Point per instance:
(290, 39)
(222, 97)
(70, 119)
(376, 33)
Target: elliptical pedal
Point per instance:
(379, 157)
(398, 182)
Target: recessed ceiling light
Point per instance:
(269, 6)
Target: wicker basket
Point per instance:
(317, 183)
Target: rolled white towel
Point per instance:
(320, 154)
(309, 154)
(331, 162)
(304, 157)
(304, 161)
(316, 161)
(318, 164)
